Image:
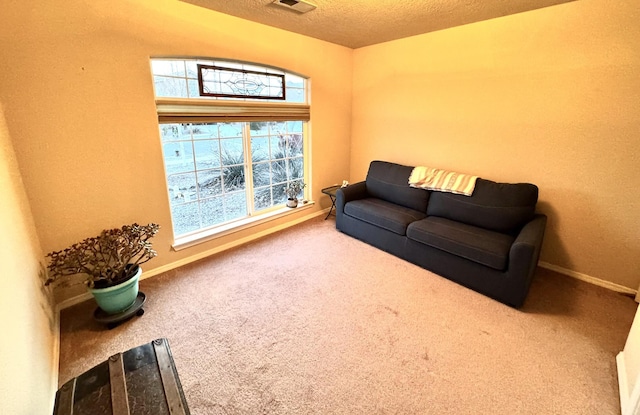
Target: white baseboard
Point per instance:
(168, 267)
(69, 302)
(588, 278)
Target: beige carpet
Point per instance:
(311, 321)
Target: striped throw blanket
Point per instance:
(442, 180)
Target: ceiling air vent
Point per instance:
(297, 5)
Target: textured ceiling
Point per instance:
(358, 23)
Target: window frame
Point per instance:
(225, 110)
(276, 212)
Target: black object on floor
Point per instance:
(142, 380)
(112, 320)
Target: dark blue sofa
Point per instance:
(489, 242)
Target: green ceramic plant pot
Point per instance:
(116, 299)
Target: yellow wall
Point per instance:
(79, 103)
(549, 97)
(28, 352)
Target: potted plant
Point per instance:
(109, 262)
(292, 191)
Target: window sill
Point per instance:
(237, 226)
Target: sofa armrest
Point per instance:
(525, 252)
(347, 194)
(530, 237)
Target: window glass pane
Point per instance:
(228, 129)
(279, 196)
(295, 95)
(209, 183)
(259, 148)
(167, 67)
(233, 178)
(193, 88)
(294, 126)
(204, 131)
(259, 128)
(232, 151)
(277, 147)
(170, 131)
(212, 211)
(235, 205)
(186, 218)
(262, 199)
(184, 131)
(192, 67)
(294, 145)
(272, 91)
(294, 81)
(207, 154)
(170, 87)
(278, 171)
(182, 188)
(296, 170)
(278, 128)
(261, 175)
(178, 156)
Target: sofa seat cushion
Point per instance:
(383, 214)
(480, 245)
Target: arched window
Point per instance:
(233, 137)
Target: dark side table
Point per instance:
(331, 192)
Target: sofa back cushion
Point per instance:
(502, 207)
(390, 182)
